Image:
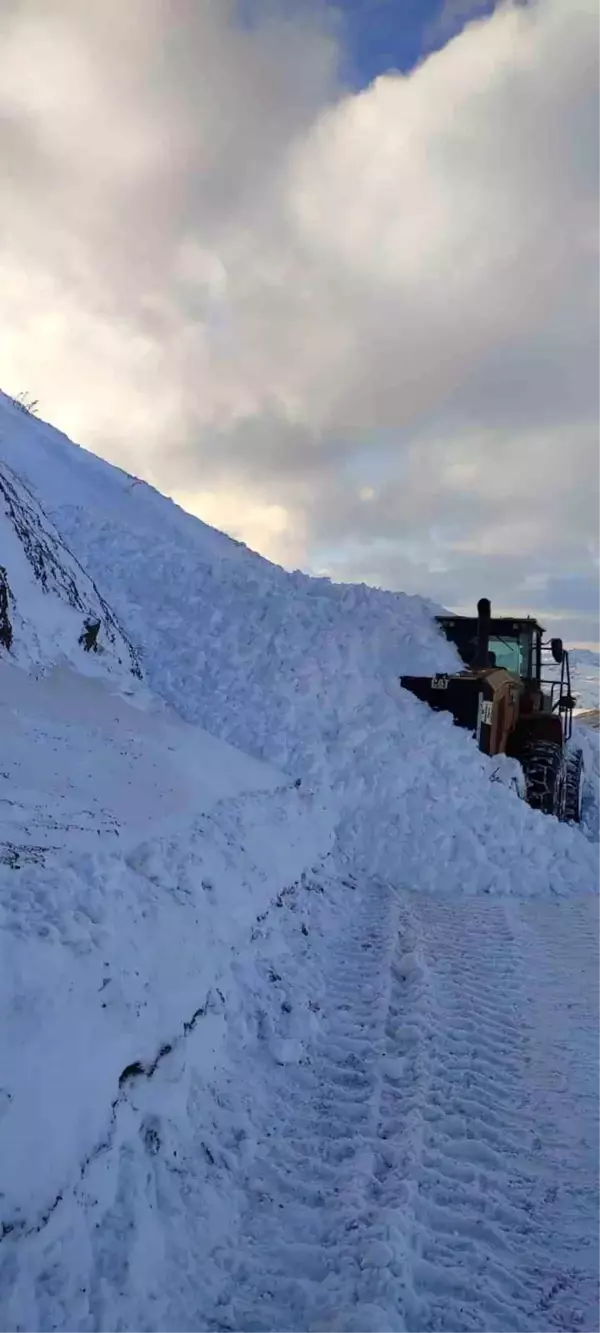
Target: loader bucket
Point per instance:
(458, 695)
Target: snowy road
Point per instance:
(435, 1165)
(399, 1131)
(387, 1123)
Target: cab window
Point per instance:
(514, 653)
(508, 653)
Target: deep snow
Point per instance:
(274, 1056)
(304, 674)
(135, 854)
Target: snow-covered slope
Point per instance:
(86, 768)
(303, 673)
(50, 609)
(136, 853)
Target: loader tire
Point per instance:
(574, 780)
(545, 778)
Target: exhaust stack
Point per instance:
(484, 613)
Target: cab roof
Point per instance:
(502, 626)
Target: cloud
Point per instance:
(358, 330)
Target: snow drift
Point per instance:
(136, 854)
(304, 674)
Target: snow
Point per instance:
(115, 768)
(305, 674)
(300, 999)
(585, 675)
(51, 601)
(130, 896)
(384, 1118)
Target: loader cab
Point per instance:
(514, 645)
(517, 645)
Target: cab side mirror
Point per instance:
(556, 648)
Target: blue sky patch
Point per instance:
(378, 35)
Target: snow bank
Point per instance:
(154, 1150)
(106, 963)
(304, 673)
(84, 767)
(136, 852)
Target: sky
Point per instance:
(379, 36)
(325, 274)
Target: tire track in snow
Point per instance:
(453, 1122)
(430, 1168)
(298, 1259)
(464, 1178)
(403, 1183)
(391, 1195)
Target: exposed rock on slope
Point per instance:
(50, 610)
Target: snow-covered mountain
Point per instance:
(585, 672)
(286, 967)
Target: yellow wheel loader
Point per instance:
(503, 699)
